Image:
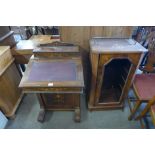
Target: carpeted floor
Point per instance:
(26, 118)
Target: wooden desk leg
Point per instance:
(77, 115)
(77, 109)
(41, 115)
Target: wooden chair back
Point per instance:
(149, 67)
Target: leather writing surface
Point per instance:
(52, 71)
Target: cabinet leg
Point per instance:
(77, 115)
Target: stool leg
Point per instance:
(41, 115)
(142, 124)
(145, 110)
(134, 110)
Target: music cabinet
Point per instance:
(113, 62)
(6, 36)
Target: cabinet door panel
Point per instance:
(114, 74)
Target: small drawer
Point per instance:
(51, 99)
(61, 100)
(57, 99)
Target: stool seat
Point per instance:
(144, 84)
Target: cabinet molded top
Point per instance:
(115, 45)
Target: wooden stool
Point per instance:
(144, 88)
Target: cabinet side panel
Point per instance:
(94, 63)
(9, 91)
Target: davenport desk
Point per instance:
(57, 81)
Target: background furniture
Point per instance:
(24, 48)
(113, 62)
(81, 35)
(150, 60)
(55, 74)
(6, 36)
(10, 94)
(143, 34)
(23, 51)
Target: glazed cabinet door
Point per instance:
(114, 76)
